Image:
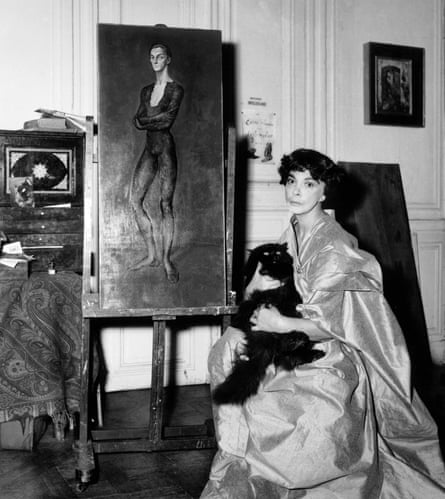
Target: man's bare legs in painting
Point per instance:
(158, 107)
(143, 176)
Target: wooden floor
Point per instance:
(49, 471)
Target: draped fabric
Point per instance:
(40, 346)
(348, 425)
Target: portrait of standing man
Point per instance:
(161, 168)
(158, 107)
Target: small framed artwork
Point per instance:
(394, 85)
(40, 168)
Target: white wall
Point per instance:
(323, 68)
(304, 58)
(419, 151)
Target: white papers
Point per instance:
(259, 126)
(12, 248)
(12, 254)
(9, 262)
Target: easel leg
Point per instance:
(83, 447)
(157, 382)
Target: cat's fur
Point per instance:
(263, 348)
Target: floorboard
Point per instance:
(49, 471)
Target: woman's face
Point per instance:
(302, 192)
(159, 59)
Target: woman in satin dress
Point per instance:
(348, 425)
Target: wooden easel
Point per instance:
(155, 437)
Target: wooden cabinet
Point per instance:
(50, 234)
(52, 229)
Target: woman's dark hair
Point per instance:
(162, 46)
(318, 165)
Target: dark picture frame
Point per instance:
(49, 162)
(142, 262)
(394, 85)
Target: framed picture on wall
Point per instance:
(40, 168)
(394, 85)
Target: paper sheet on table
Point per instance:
(12, 248)
(10, 262)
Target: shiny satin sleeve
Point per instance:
(341, 290)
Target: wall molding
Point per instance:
(437, 118)
(331, 96)
(435, 206)
(85, 19)
(319, 113)
(187, 13)
(129, 356)
(222, 18)
(289, 75)
(110, 11)
(265, 226)
(430, 237)
(62, 46)
(431, 263)
(431, 255)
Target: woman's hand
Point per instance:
(268, 319)
(261, 282)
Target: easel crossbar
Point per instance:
(91, 310)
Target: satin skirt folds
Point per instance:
(307, 433)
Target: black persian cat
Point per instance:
(263, 348)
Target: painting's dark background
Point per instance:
(198, 245)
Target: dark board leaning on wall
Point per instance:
(186, 138)
(371, 205)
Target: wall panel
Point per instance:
(128, 353)
(418, 150)
(430, 237)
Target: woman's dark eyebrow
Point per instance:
(291, 175)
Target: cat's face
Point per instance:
(276, 265)
(269, 266)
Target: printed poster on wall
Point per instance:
(259, 126)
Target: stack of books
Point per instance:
(55, 121)
(46, 124)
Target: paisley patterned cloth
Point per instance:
(40, 346)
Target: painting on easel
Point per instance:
(161, 175)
